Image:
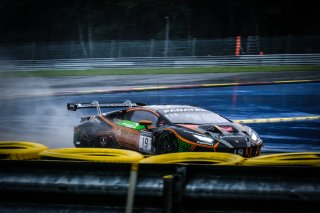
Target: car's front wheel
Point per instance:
(167, 143)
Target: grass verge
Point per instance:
(196, 70)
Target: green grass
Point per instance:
(95, 72)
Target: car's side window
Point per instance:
(115, 116)
(144, 115)
(162, 122)
(127, 115)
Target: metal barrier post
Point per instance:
(173, 188)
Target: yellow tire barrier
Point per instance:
(18, 150)
(216, 158)
(285, 159)
(93, 154)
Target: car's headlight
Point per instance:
(254, 136)
(203, 138)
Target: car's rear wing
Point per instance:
(96, 104)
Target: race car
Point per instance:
(158, 129)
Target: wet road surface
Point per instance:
(46, 119)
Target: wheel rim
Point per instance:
(169, 143)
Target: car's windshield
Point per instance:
(202, 117)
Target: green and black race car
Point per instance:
(157, 129)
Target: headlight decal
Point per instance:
(202, 139)
(188, 140)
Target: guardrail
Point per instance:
(118, 180)
(159, 62)
(76, 185)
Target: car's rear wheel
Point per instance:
(87, 136)
(108, 141)
(167, 143)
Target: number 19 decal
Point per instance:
(145, 143)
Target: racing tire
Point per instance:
(18, 150)
(167, 143)
(92, 154)
(285, 159)
(206, 158)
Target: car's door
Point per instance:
(131, 134)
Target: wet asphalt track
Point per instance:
(46, 120)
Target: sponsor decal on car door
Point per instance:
(128, 133)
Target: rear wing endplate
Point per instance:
(96, 104)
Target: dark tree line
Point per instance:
(76, 20)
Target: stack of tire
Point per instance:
(17, 150)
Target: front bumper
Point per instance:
(246, 152)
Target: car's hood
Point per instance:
(229, 134)
(220, 128)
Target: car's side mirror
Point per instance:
(145, 123)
